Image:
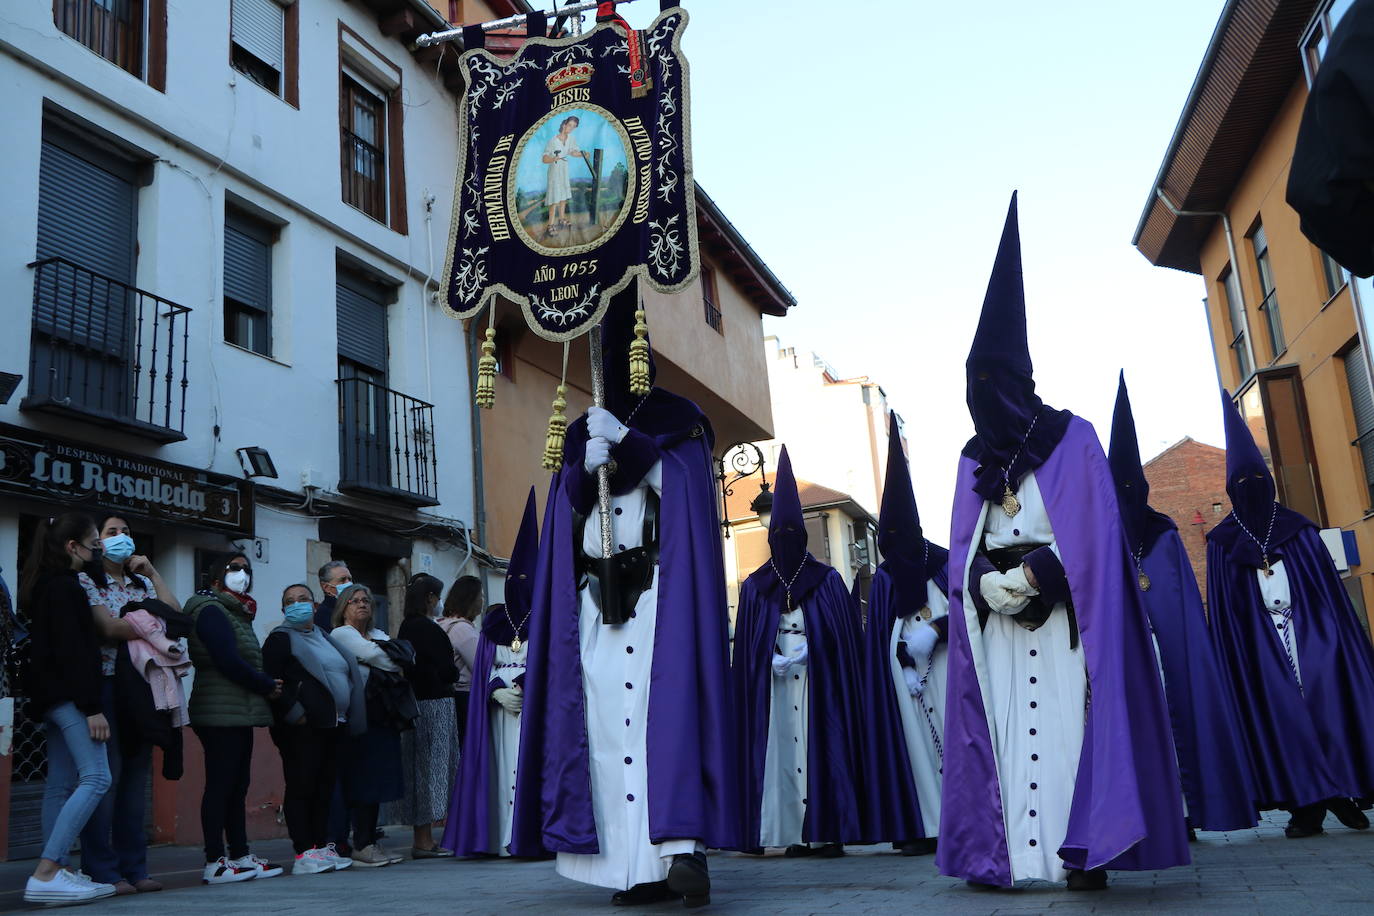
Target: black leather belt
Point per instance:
(623, 577)
(1034, 614)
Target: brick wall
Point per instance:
(1188, 484)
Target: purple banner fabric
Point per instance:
(1126, 811)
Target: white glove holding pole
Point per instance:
(601, 422)
(800, 655)
(921, 642)
(914, 685)
(781, 665)
(512, 699)
(1018, 583)
(997, 592)
(597, 453)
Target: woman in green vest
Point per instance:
(228, 700)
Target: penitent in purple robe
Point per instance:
(839, 805)
(690, 732)
(473, 828)
(1306, 723)
(1124, 811)
(1212, 758)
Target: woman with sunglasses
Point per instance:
(228, 702)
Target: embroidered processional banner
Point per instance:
(574, 175)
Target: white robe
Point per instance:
(784, 768)
(560, 183)
(1278, 601)
(505, 751)
(1035, 691)
(616, 665)
(923, 715)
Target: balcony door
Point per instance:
(83, 310)
(364, 421)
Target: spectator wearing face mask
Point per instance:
(321, 702)
(114, 845)
(334, 575)
(228, 701)
(64, 684)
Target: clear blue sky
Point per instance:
(869, 160)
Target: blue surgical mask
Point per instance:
(119, 548)
(299, 613)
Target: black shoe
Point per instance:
(1348, 813)
(1192, 835)
(689, 878)
(980, 885)
(1092, 880)
(922, 847)
(831, 851)
(798, 851)
(643, 894)
(1305, 821)
(1300, 831)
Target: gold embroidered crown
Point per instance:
(569, 77)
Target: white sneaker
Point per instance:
(331, 855)
(64, 887)
(264, 868)
(222, 871)
(312, 862)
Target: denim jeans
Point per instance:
(114, 845)
(78, 777)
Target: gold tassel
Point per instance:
(486, 372)
(639, 356)
(558, 430)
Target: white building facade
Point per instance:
(224, 222)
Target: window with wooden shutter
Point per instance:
(257, 33)
(363, 148)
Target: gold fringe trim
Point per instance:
(558, 431)
(639, 356)
(486, 372)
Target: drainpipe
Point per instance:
(1235, 271)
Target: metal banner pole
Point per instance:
(434, 38)
(608, 579)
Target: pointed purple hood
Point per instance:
(1000, 389)
(1143, 525)
(908, 557)
(524, 558)
(1249, 483)
(788, 556)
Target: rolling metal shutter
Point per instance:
(257, 27)
(247, 264)
(362, 325)
(1362, 405)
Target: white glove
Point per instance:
(1016, 581)
(601, 422)
(999, 596)
(781, 664)
(922, 641)
(512, 700)
(801, 654)
(913, 681)
(598, 452)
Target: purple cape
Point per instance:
(887, 763)
(690, 728)
(1307, 744)
(1126, 812)
(1212, 758)
(839, 807)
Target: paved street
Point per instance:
(1244, 872)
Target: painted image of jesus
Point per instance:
(561, 147)
(571, 179)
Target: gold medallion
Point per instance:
(515, 644)
(1144, 581)
(1010, 504)
(924, 612)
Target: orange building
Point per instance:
(1285, 319)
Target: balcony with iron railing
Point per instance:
(386, 444)
(106, 352)
(364, 170)
(713, 315)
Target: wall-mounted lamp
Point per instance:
(739, 462)
(256, 462)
